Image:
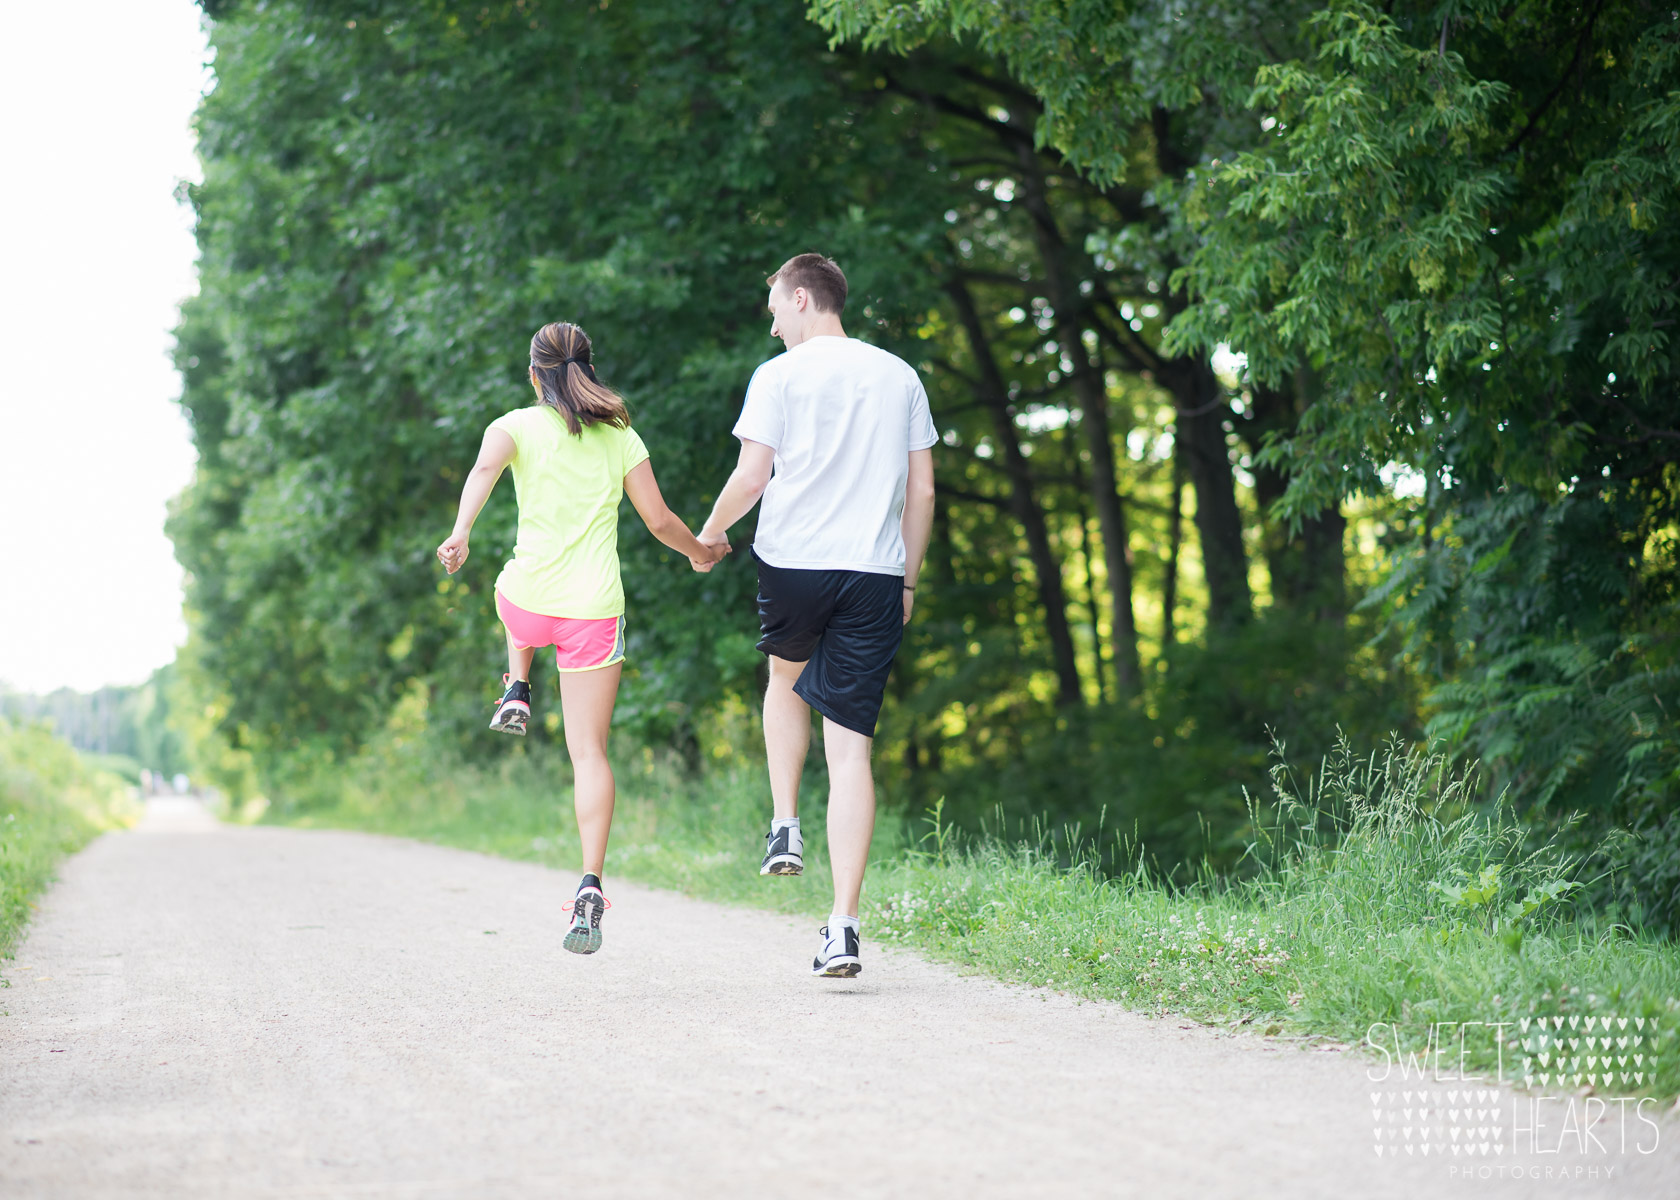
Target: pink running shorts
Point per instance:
(580, 644)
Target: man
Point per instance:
(837, 438)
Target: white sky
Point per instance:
(95, 255)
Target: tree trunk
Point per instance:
(1175, 539)
(1091, 598)
(994, 394)
(1308, 568)
(1091, 391)
(1202, 413)
(1111, 521)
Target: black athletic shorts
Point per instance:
(844, 625)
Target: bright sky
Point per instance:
(95, 255)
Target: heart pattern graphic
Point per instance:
(1438, 1123)
(1550, 1056)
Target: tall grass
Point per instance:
(51, 804)
(1374, 901)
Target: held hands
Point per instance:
(717, 545)
(453, 553)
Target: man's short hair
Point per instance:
(821, 277)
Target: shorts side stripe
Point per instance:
(615, 656)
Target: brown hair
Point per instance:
(560, 354)
(820, 276)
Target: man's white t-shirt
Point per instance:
(842, 417)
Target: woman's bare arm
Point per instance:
(493, 457)
(643, 490)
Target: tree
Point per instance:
(395, 196)
(1459, 226)
(1442, 237)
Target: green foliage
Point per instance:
(1437, 236)
(52, 803)
(395, 197)
(391, 204)
(131, 724)
(1451, 222)
(1170, 781)
(1096, 66)
(1457, 231)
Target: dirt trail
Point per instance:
(207, 1011)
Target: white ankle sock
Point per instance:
(836, 920)
(781, 823)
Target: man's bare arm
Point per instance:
(746, 484)
(917, 522)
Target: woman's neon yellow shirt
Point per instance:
(565, 561)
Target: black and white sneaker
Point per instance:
(838, 958)
(584, 937)
(513, 710)
(784, 852)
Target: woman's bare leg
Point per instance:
(586, 706)
(519, 660)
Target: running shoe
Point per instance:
(784, 852)
(584, 937)
(838, 958)
(513, 710)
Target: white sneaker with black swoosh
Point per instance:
(784, 852)
(838, 958)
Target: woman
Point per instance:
(574, 456)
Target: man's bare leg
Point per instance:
(787, 735)
(851, 812)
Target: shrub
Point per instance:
(51, 804)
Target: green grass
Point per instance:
(1372, 901)
(52, 803)
(700, 836)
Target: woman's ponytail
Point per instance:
(560, 360)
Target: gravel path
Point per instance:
(208, 1011)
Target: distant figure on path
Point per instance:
(574, 457)
(837, 438)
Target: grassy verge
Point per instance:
(700, 836)
(1373, 909)
(51, 804)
